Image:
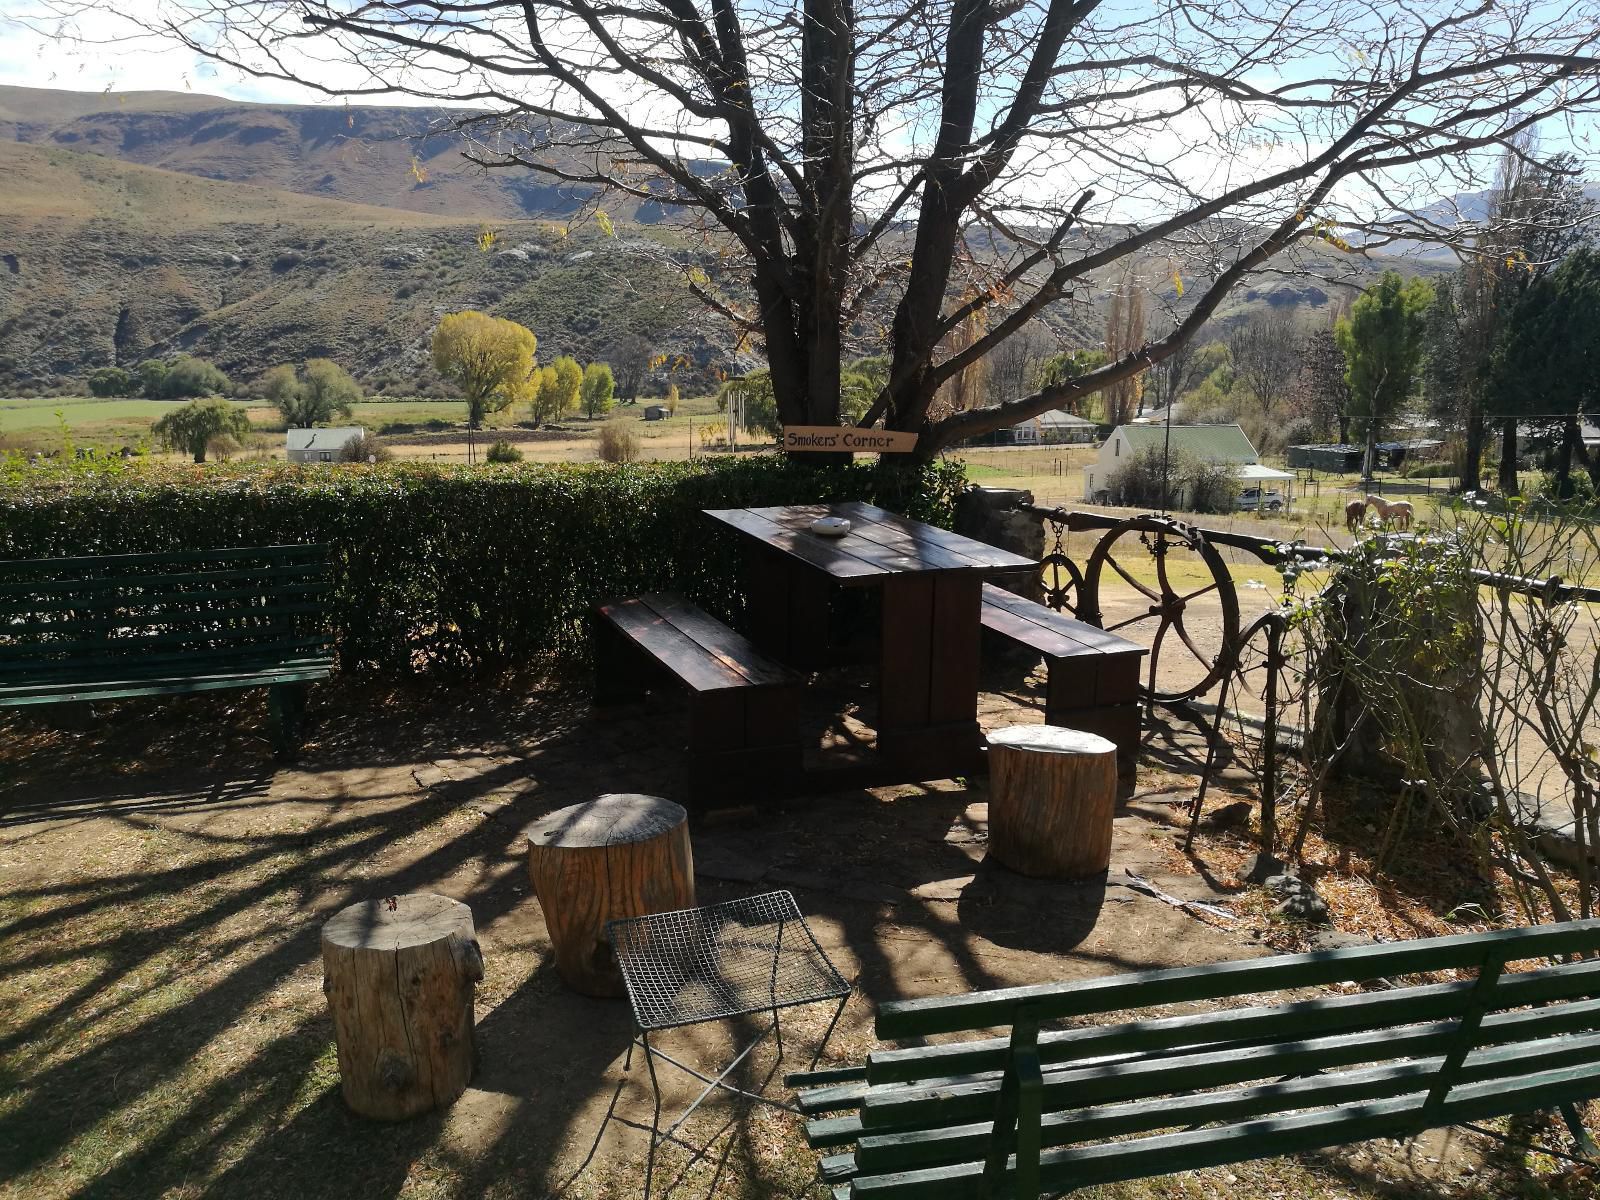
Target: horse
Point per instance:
(1397, 511)
(1355, 512)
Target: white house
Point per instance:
(1051, 428)
(319, 445)
(1209, 443)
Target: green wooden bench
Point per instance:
(1049, 1112)
(114, 626)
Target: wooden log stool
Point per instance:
(1052, 796)
(617, 856)
(400, 975)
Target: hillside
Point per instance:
(145, 223)
(396, 157)
(103, 262)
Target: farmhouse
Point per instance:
(319, 445)
(1053, 428)
(1208, 443)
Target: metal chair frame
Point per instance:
(664, 955)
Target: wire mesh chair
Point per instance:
(713, 963)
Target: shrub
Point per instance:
(364, 447)
(112, 381)
(223, 446)
(618, 443)
(188, 377)
(503, 452)
(414, 544)
(193, 427)
(597, 388)
(1191, 483)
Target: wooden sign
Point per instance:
(847, 439)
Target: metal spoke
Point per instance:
(1183, 632)
(1155, 654)
(1144, 616)
(1210, 587)
(1117, 567)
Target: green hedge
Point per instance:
(450, 567)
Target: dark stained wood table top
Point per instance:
(880, 543)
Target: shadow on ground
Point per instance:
(162, 885)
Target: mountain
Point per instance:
(403, 158)
(105, 262)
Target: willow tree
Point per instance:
(886, 169)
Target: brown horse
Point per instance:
(1395, 512)
(1355, 512)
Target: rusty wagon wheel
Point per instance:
(1169, 565)
(1062, 582)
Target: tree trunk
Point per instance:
(1052, 796)
(1508, 457)
(399, 975)
(1369, 460)
(617, 856)
(1472, 451)
(1570, 434)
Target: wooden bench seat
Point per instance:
(117, 626)
(1093, 680)
(744, 740)
(1034, 1112)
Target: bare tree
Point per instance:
(630, 359)
(1172, 377)
(851, 153)
(1266, 357)
(1321, 392)
(1013, 362)
(1125, 328)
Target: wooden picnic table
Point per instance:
(931, 585)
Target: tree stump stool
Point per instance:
(617, 856)
(1052, 796)
(399, 975)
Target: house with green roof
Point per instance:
(1209, 443)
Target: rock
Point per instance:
(1261, 868)
(1338, 939)
(1298, 899)
(1229, 816)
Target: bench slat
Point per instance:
(14, 580)
(103, 562)
(1217, 981)
(1084, 1166)
(1092, 638)
(931, 1146)
(180, 605)
(308, 671)
(1324, 1015)
(725, 645)
(969, 1100)
(672, 648)
(269, 628)
(1036, 637)
(241, 657)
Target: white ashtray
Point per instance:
(833, 527)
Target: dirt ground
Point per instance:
(163, 1031)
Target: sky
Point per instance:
(30, 59)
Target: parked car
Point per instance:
(1253, 498)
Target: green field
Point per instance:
(36, 423)
(79, 412)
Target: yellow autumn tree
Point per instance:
(489, 358)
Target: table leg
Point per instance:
(928, 678)
(787, 615)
